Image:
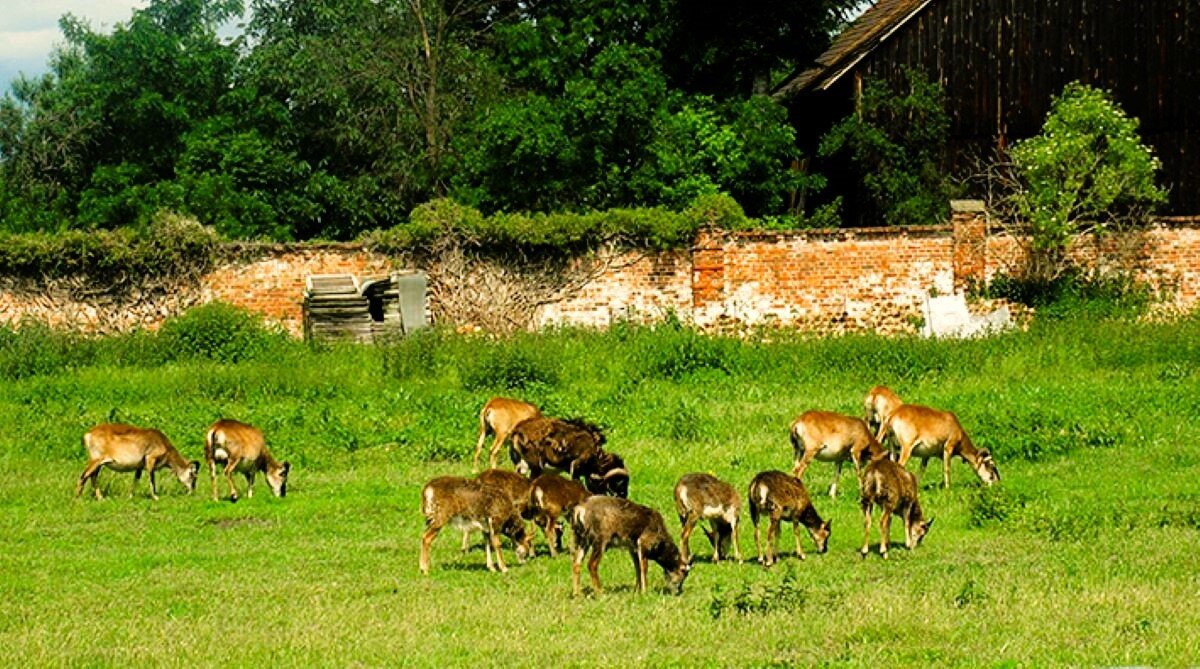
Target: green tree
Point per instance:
(1086, 173)
(897, 144)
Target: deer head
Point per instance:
(985, 468)
(277, 478)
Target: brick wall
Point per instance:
(826, 280)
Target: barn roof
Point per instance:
(857, 40)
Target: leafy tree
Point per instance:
(1086, 173)
(897, 143)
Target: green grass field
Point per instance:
(1085, 554)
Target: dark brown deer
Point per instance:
(240, 447)
(781, 497)
(470, 505)
(893, 489)
(125, 448)
(551, 498)
(512, 483)
(542, 443)
(926, 433)
(499, 416)
(573, 446)
(879, 403)
(603, 521)
(705, 497)
(832, 437)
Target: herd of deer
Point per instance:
(499, 502)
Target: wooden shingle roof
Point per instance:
(858, 39)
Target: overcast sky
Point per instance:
(29, 29)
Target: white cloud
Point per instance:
(29, 29)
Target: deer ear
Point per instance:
(287, 467)
(929, 523)
(985, 454)
(195, 466)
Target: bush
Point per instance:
(34, 349)
(512, 365)
(218, 332)
(1087, 172)
(171, 247)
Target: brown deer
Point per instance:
(470, 505)
(928, 433)
(512, 483)
(604, 521)
(782, 497)
(240, 447)
(893, 489)
(552, 497)
(554, 443)
(832, 437)
(879, 403)
(125, 448)
(705, 497)
(499, 416)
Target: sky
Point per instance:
(29, 29)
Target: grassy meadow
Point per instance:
(1084, 554)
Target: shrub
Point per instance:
(759, 598)
(218, 332)
(1087, 172)
(512, 365)
(34, 349)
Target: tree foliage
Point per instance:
(897, 144)
(1086, 173)
(325, 118)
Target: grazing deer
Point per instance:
(603, 521)
(125, 448)
(878, 405)
(574, 446)
(499, 416)
(606, 475)
(832, 437)
(928, 433)
(705, 497)
(513, 484)
(892, 488)
(554, 443)
(242, 448)
(783, 497)
(470, 505)
(551, 497)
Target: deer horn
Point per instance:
(618, 470)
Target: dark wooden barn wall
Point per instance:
(1001, 61)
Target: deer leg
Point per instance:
(772, 539)
(796, 534)
(499, 442)
(483, 430)
(689, 526)
(576, 562)
(230, 465)
(947, 453)
(803, 461)
(594, 565)
(137, 476)
(92, 471)
(494, 540)
(757, 543)
(737, 547)
(431, 532)
(643, 565)
(250, 483)
(866, 547)
(885, 527)
(905, 453)
(714, 537)
(549, 530)
(908, 524)
(837, 476)
(634, 554)
(151, 465)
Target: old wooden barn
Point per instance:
(1001, 61)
